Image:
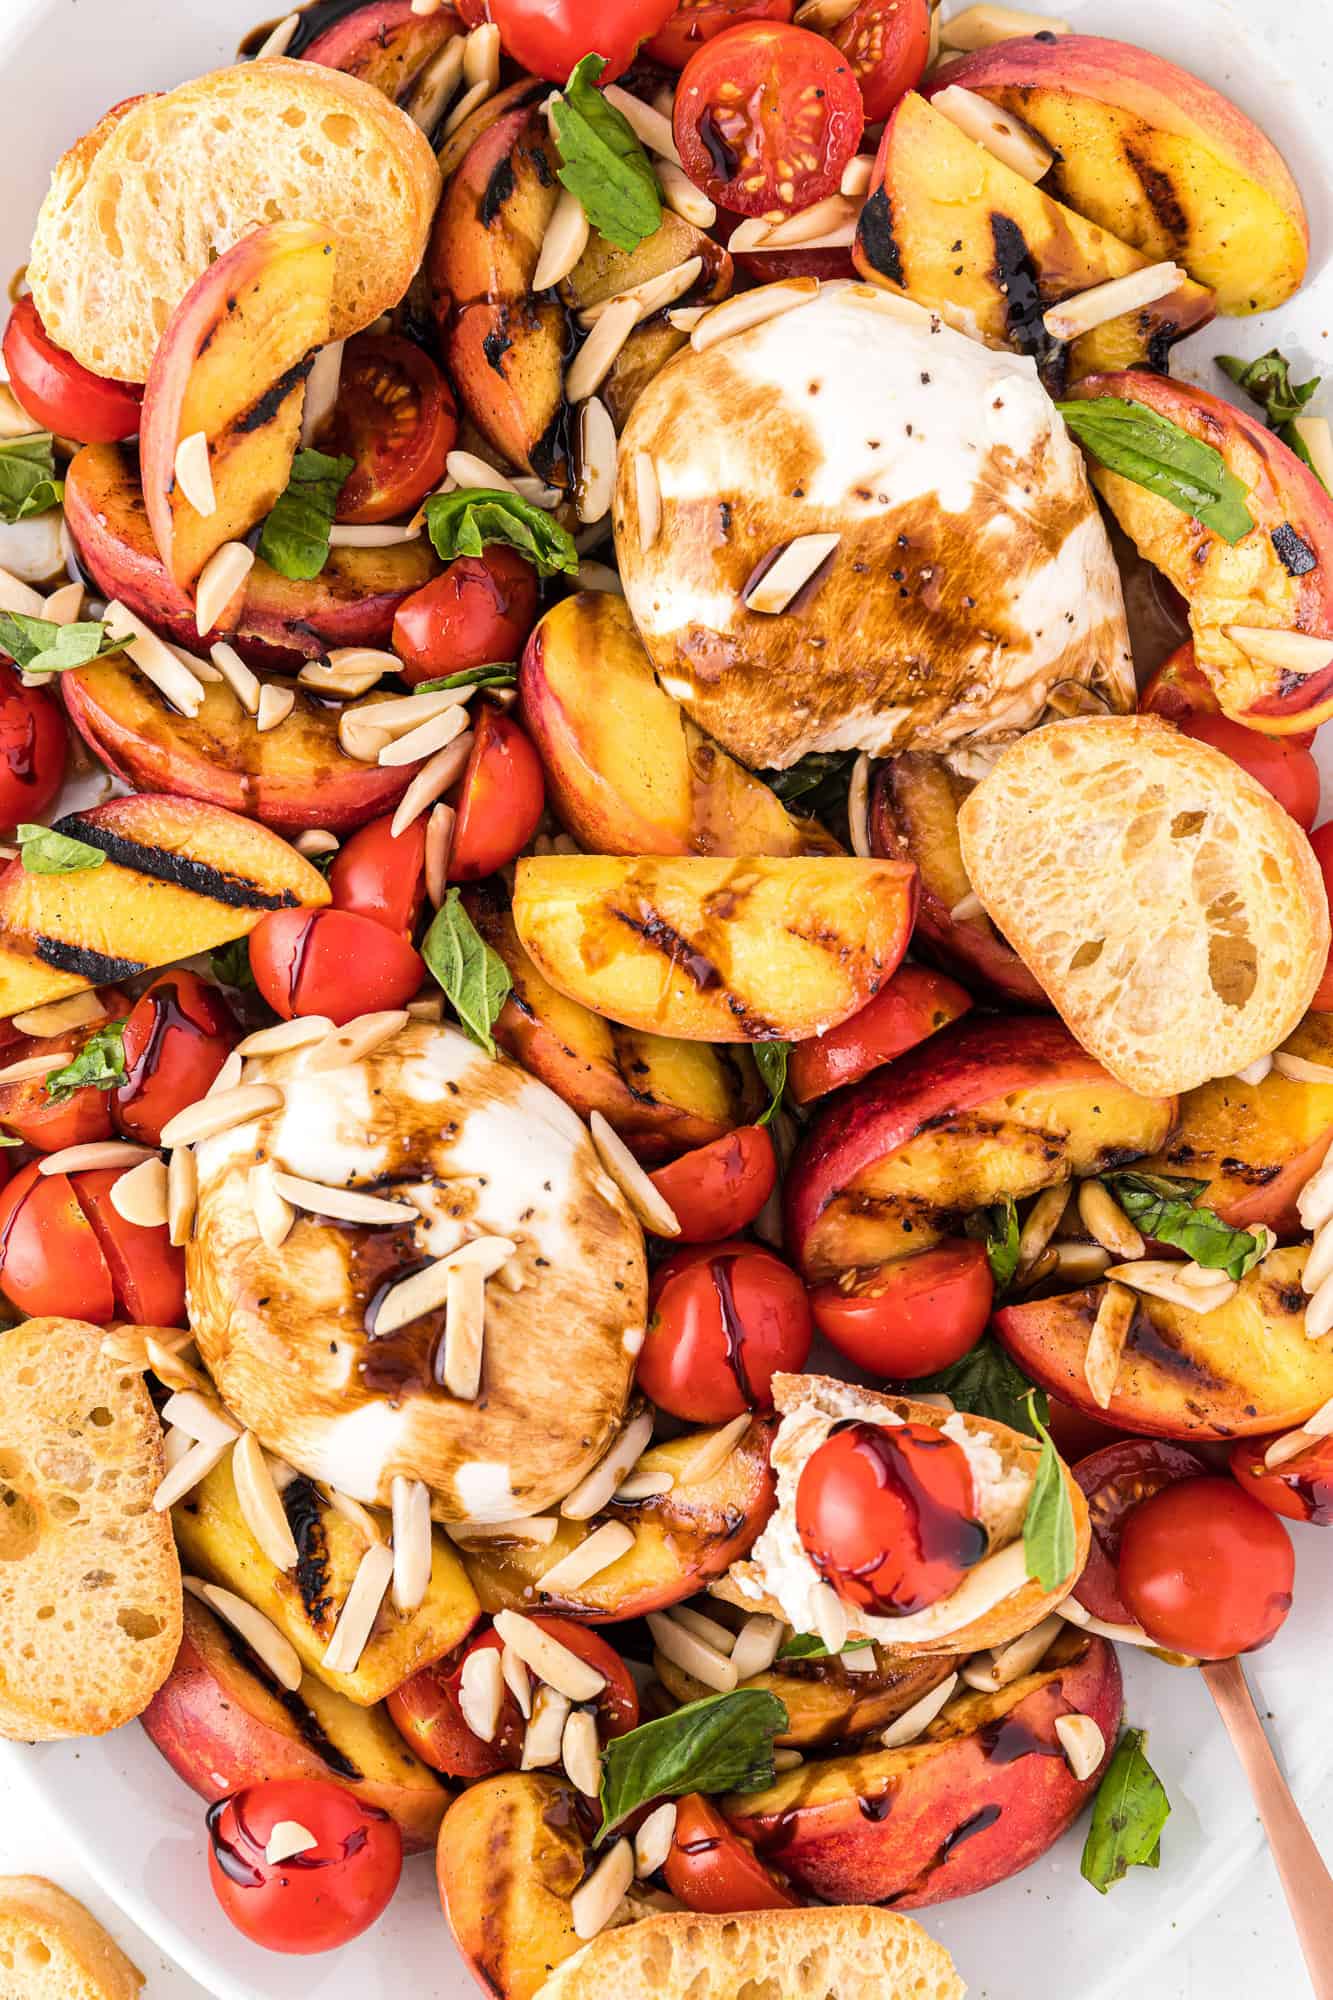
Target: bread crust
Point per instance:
(1170, 908)
(38, 1912)
(162, 185)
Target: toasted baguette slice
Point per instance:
(90, 1586)
(144, 203)
(1173, 912)
(852, 1953)
(971, 1617)
(52, 1949)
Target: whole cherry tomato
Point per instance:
(147, 1270)
(912, 1006)
(696, 21)
(1180, 688)
(912, 1315)
(1283, 767)
(319, 1898)
(396, 417)
(477, 614)
(331, 962)
(1300, 1489)
(886, 1513)
(177, 1038)
(1113, 1481)
(720, 1188)
(59, 392)
(767, 116)
(1205, 1569)
(382, 875)
(886, 43)
(549, 37)
(500, 798)
(32, 751)
(1321, 840)
(51, 1264)
(428, 1711)
(711, 1868)
(724, 1319)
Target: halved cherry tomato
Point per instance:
(720, 1188)
(395, 416)
(912, 1315)
(177, 1038)
(914, 1005)
(549, 37)
(711, 1868)
(1282, 766)
(1321, 841)
(1077, 1435)
(767, 116)
(147, 1270)
(428, 1712)
(331, 962)
(320, 1898)
(697, 21)
(1205, 1569)
(886, 43)
(51, 1264)
(1180, 687)
(59, 392)
(1301, 1489)
(500, 799)
(1113, 1481)
(724, 1319)
(478, 614)
(886, 1513)
(32, 751)
(49, 1122)
(382, 875)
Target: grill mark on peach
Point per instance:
(199, 877)
(94, 966)
(1156, 1346)
(1160, 192)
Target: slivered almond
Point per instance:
(592, 364)
(683, 198)
(652, 1208)
(596, 460)
(652, 296)
(321, 389)
(58, 1016)
(410, 710)
(468, 471)
(703, 1627)
(200, 1417)
(1011, 142)
(746, 309)
(182, 1195)
(361, 1518)
(643, 1486)
(686, 318)
(795, 231)
(1179, 1284)
(1083, 1743)
(538, 1529)
(1081, 1263)
(274, 1215)
(824, 15)
(126, 1345)
(229, 1076)
(1319, 1264)
(458, 1362)
(220, 583)
(359, 738)
(155, 660)
(595, 1902)
(1314, 1204)
(344, 1203)
(564, 243)
(1003, 1665)
(315, 841)
(176, 1446)
(649, 125)
(212, 1115)
(168, 1363)
(432, 781)
(437, 85)
(439, 841)
(356, 1621)
(544, 1737)
(517, 1679)
(261, 1503)
(914, 1722)
(580, 1753)
(481, 55)
(274, 1648)
(1043, 1219)
(796, 564)
(857, 176)
(429, 1009)
(279, 39)
(96, 1155)
(1104, 1219)
(966, 908)
(238, 677)
(858, 807)
(481, 1692)
(374, 535)
(712, 1453)
(1255, 1072)
(1287, 652)
(275, 705)
(20, 597)
(1106, 1342)
(683, 1649)
(757, 1645)
(413, 1548)
(183, 1477)
(65, 605)
(140, 1195)
(1100, 303)
(981, 27)
(548, 1659)
(349, 669)
(599, 576)
(647, 499)
(830, 1618)
(653, 1841)
(1300, 1070)
(294, 1034)
(1319, 1312)
(360, 1038)
(604, 1546)
(194, 474)
(424, 1292)
(288, 1839)
(26, 1068)
(595, 1490)
(466, 105)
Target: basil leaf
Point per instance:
(28, 483)
(1050, 1540)
(38, 646)
(723, 1743)
(998, 1229)
(465, 522)
(10, 1139)
(295, 538)
(602, 161)
(231, 964)
(1127, 1820)
(986, 1383)
(43, 851)
(770, 1059)
(475, 978)
(99, 1063)
(808, 1646)
(1268, 383)
(1129, 438)
(1165, 1209)
(817, 786)
(502, 674)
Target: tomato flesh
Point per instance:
(724, 1318)
(477, 614)
(886, 1515)
(500, 799)
(549, 37)
(887, 43)
(1205, 1569)
(1299, 1490)
(316, 1900)
(177, 1038)
(396, 417)
(331, 962)
(382, 875)
(720, 1188)
(766, 118)
(915, 1004)
(1113, 1481)
(697, 21)
(51, 1264)
(59, 392)
(1281, 766)
(49, 1124)
(713, 1869)
(147, 1270)
(912, 1315)
(33, 746)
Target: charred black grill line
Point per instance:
(1160, 193)
(1016, 276)
(196, 876)
(272, 400)
(1296, 556)
(94, 966)
(877, 237)
(498, 190)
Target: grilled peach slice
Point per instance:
(1243, 1369)
(626, 769)
(384, 43)
(825, 1702)
(178, 877)
(716, 950)
(1278, 575)
(662, 1096)
(508, 361)
(957, 230)
(983, 1794)
(231, 365)
(280, 620)
(1150, 152)
(914, 817)
(915, 1004)
(222, 1721)
(510, 1856)
(291, 777)
(681, 1539)
(604, 269)
(519, 96)
(986, 1108)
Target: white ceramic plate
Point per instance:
(1045, 1935)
